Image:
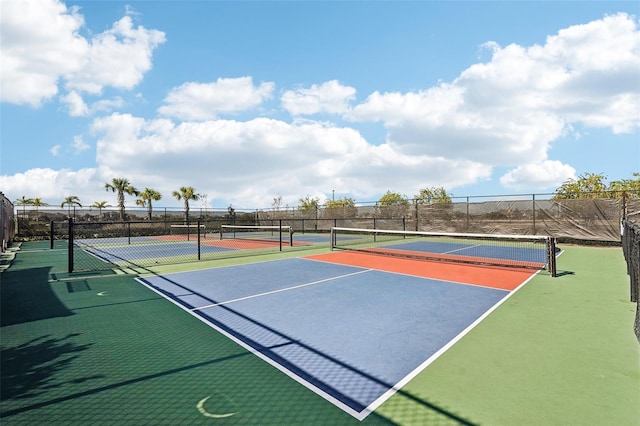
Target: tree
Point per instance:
(342, 207)
(121, 186)
(37, 202)
(308, 204)
(70, 201)
(592, 185)
(393, 199)
(24, 201)
(341, 202)
(392, 204)
(589, 185)
(145, 199)
(186, 193)
(277, 202)
(99, 205)
(432, 195)
(628, 187)
(231, 213)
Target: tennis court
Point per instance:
(352, 327)
(334, 337)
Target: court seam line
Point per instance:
(213, 305)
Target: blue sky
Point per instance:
(249, 101)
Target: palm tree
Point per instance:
(187, 194)
(99, 205)
(145, 199)
(24, 201)
(71, 200)
(38, 203)
(121, 185)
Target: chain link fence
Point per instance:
(97, 239)
(7, 223)
(631, 249)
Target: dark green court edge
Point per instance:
(101, 349)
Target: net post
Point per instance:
(70, 248)
(198, 227)
(51, 225)
(551, 248)
(332, 239)
(280, 232)
(129, 232)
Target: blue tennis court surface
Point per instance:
(521, 254)
(350, 334)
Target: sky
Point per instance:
(249, 101)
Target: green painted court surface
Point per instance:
(99, 348)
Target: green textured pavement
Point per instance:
(102, 349)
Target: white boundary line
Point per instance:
(441, 351)
(381, 399)
(356, 414)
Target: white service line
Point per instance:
(281, 290)
(461, 249)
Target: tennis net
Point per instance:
(514, 251)
(261, 233)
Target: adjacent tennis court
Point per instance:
(189, 246)
(353, 327)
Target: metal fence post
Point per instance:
(467, 204)
(198, 227)
(70, 248)
(534, 213)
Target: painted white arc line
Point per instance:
(205, 413)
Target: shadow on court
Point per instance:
(90, 359)
(26, 295)
(324, 365)
(29, 369)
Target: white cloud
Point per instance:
(118, 57)
(330, 97)
(204, 101)
(510, 110)
(41, 46)
(251, 162)
(79, 145)
(53, 185)
(107, 105)
(545, 175)
(55, 150)
(75, 104)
